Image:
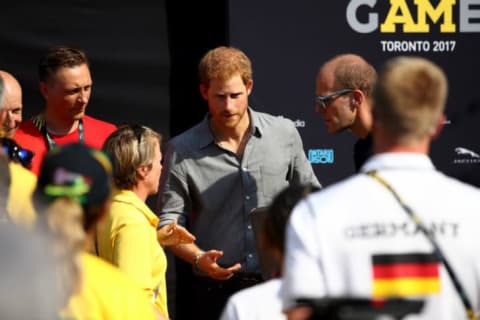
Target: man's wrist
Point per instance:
(196, 260)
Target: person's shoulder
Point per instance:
(260, 301)
(260, 291)
(97, 123)
(129, 212)
(20, 174)
(275, 124)
(463, 188)
(190, 133)
(26, 128)
(343, 189)
(270, 119)
(191, 139)
(19, 204)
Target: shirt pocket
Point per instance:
(274, 178)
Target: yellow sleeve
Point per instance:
(19, 205)
(107, 293)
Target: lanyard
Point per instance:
(436, 248)
(52, 144)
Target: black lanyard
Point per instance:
(51, 144)
(436, 248)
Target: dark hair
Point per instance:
(279, 212)
(60, 57)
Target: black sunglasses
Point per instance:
(137, 129)
(17, 153)
(323, 101)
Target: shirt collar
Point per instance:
(206, 137)
(398, 160)
(131, 198)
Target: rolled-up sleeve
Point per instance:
(301, 171)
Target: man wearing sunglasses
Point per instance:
(344, 88)
(408, 232)
(22, 183)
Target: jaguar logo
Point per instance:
(464, 151)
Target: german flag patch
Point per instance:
(405, 275)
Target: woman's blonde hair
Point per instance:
(62, 222)
(130, 147)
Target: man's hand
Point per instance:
(207, 262)
(173, 234)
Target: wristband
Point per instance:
(196, 267)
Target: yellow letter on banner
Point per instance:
(405, 17)
(424, 7)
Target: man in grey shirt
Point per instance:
(215, 173)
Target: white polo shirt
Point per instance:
(354, 239)
(262, 301)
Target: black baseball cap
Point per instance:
(75, 171)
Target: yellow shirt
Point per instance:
(127, 237)
(19, 203)
(107, 293)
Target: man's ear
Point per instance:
(438, 128)
(204, 91)
(44, 89)
(249, 86)
(357, 98)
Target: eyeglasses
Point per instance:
(323, 101)
(137, 130)
(17, 153)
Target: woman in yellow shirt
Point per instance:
(128, 235)
(72, 194)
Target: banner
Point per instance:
(289, 41)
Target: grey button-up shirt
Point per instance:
(212, 191)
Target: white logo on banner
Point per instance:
(300, 123)
(467, 156)
(461, 150)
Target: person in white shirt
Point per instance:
(263, 301)
(356, 239)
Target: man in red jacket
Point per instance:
(66, 85)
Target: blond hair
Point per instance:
(62, 222)
(222, 63)
(130, 147)
(410, 98)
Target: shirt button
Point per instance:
(244, 169)
(247, 197)
(250, 255)
(249, 227)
